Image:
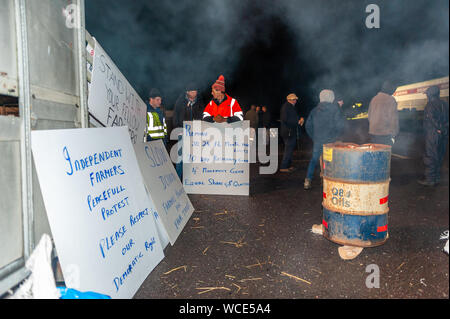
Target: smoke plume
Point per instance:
(167, 44)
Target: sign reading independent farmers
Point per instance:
(101, 218)
(112, 100)
(216, 158)
(164, 187)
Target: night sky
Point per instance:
(267, 49)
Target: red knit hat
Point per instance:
(219, 84)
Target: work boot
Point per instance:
(426, 182)
(307, 184)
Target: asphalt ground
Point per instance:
(261, 246)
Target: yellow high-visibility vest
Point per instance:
(156, 129)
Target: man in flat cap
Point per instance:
(288, 131)
(188, 107)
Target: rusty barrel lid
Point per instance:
(366, 163)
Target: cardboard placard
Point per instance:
(101, 218)
(112, 101)
(165, 189)
(216, 158)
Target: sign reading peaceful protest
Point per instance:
(216, 158)
(164, 187)
(112, 100)
(101, 218)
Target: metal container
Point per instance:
(355, 193)
(43, 72)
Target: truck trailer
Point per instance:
(412, 96)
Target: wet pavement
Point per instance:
(261, 246)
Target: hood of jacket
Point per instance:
(388, 87)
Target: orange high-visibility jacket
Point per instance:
(229, 109)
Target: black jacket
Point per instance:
(325, 123)
(289, 120)
(436, 116)
(265, 118)
(184, 112)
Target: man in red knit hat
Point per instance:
(222, 108)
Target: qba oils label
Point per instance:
(355, 197)
(340, 197)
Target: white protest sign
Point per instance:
(216, 158)
(112, 101)
(166, 191)
(98, 209)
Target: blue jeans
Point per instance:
(289, 146)
(317, 151)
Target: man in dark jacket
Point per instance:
(435, 125)
(383, 116)
(188, 107)
(266, 118)
(288, 130)
(324, 125)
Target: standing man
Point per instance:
(259, 113)
(222, 108)
(383, 116)
(435, 126)
(265, 122)
(324, 125)
(156, 121)
(288, 130)
(266, 119)
(339, 100)
(188, 107)
(252, 116)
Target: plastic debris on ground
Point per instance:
(444, 235)
(317, 229)
(41, 283)
(349, 252)
(69, 293)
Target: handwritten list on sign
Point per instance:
(167, 193)
(102, 221)
(112, 101)
(216, 158)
